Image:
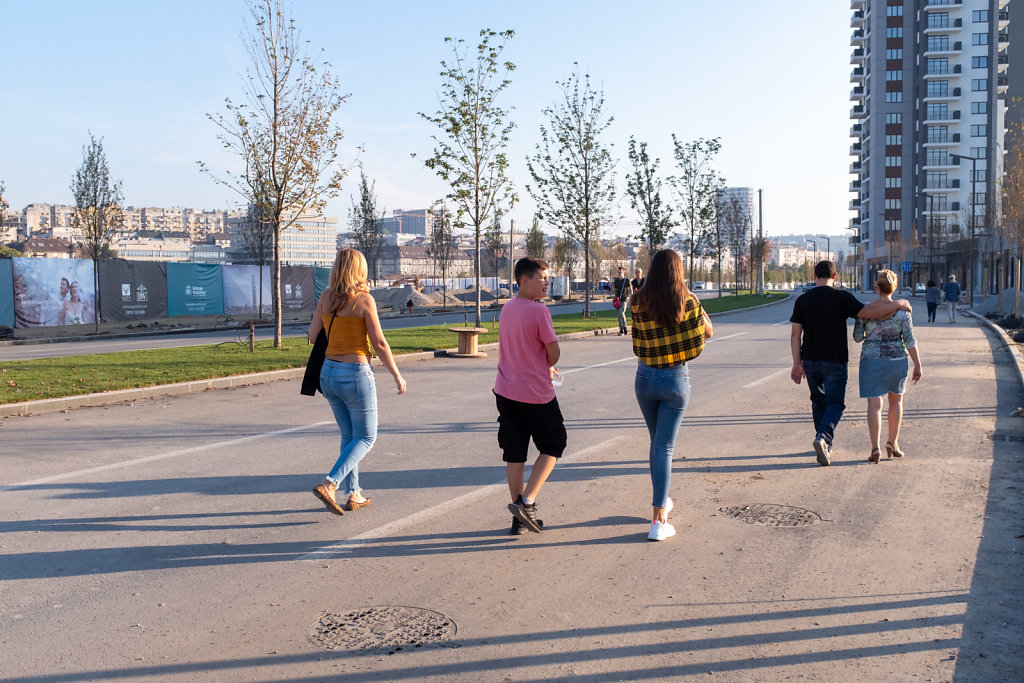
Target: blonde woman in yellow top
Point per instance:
(348, 314)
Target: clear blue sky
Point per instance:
(770, 79)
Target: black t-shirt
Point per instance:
(823, 312)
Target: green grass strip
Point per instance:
(74, 375)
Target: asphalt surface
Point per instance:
(177, 538)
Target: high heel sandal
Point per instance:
(892, 451)
(875, 456)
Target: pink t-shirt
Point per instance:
(523, 371)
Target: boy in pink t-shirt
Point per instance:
(527, 407)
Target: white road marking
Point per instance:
(766, 378)
(340, 548)
(163, 456)
(714, 339)
(784, 322)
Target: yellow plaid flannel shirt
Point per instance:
(664, 347)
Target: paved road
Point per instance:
(176, 538)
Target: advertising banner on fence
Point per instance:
(6, 293)
(53, 291)
(297, 295)
(242, 290)
(321, 277)
(194, 289)
(132, 290)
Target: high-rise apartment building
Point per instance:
(929, 99)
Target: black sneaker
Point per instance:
(518, 529)
(526, 514)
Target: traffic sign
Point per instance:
(907, 266)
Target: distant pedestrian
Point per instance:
(818, 344)
(622, 288)
(669, 326)
(348, 313)
(883, 366)
(408, 304)
(952, 292)
(931, 299)
(639, 280)
(527, 407)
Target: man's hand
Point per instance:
(797, 373)
(904, 305)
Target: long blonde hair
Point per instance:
(348, 277)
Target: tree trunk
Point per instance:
(96, 289)
(476, 273)
(275, 289)
(1016, 287)
(259, 313)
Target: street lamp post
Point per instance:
(974, 175)
(815, 262)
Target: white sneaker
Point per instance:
(668, 508)
(660, 531)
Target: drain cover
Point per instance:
(388, 628)
(769, 514)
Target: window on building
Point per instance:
(980, 175)
(979, 84)
(896, 75)
(979, 152)
(894, 53)
(979, 130)
(894, 96)
(937, 134)
(894, 182)
(938, 66)
(937, 202)
(894, 203)
(894, 32)
(894, 139)
(935, 179)
(937, 89)
(895, 11)
(894, 161)
(979, 15)
(979, 107)
(979, 62)
(937, 43)
(979, 39)
(938, 19)
(937, 111)
(893, 225)
(936, 157)
(894, 118)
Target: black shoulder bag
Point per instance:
(311, 378)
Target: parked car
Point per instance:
(697, 285)
(808, 286)
(919, 288)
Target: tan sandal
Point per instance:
(325, 492)
(892, 451)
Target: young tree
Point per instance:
(4, 205)
(1012, 202)
(284, 131)
(494, 238)
(443, 249)
(98, 215)
(644, 189)
(368, 225)
(535, 242)
(573, 170)
(470, 147)
(731, 230)
(697, 187)
(565, 256)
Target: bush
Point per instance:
(1018, 336)
(1011, 322)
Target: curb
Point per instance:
(50, 405)
(1011, 346)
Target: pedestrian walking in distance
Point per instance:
(931, 299)
(818, 344)
(883, 366)
(527, 406)
(622, 288)
(952, 292)
(348, 314)
(669, 327)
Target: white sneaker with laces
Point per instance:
(660, 531)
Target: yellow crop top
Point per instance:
(347, 335)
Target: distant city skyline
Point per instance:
(774, 86)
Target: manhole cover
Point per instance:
(389, 628)
(770, 514)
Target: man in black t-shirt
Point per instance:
(623, 289)
(820, 353)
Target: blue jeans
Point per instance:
(352, 393)
(662, 394)
(827, 382)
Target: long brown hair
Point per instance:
(665, 293)
(348, 277)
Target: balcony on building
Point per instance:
(855, 204)
(857, 93)
(856, 130)
(857, 75)
(855, 167)
(857, 112)
(939, 24)
(940, 163)
(858, 56)
(857, 4)
(1002, 62)
(938, 187)
(941, 138)
(952, 116)
(943, 5)
(855, 186)
(937, 95)
(954, 48)
(1004, 39)
(856, 149)
(858, 19)
(1004, 18)
(1002, 83)
(857, 37)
